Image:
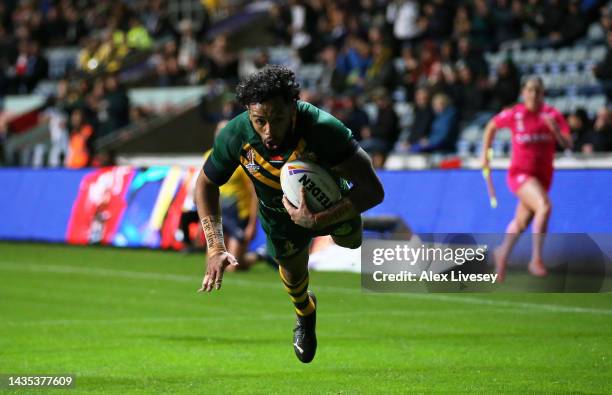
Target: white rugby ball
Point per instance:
(321, 189)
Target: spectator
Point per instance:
(332, 81)
(505, 86)
(404, 15)
(54, 27)
(382, 70)
(444, 128)
(188, 47)
(303, 22)
(507, 21)
(575, 23)
(603, 70)
(462, 25)
(354, 117)
(472, 58)
(354, 61)
(471, 98)
(75, 27)
(114, 108)
(138, 36)
(81, 138)
(380, 138)
(223, 62)
(58, 130)
(482, 27)
(418, 133)
(602, 132)
(438, 19)
(580, 128)
(157, 21)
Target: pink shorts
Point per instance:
(516, 178)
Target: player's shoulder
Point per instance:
(236, 129)
(316, 119)
(548, 109)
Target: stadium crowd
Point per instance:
(426, 53)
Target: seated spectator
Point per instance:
(222, 61)
(381, 137)
(506, 86)
(471, 97)
(472, 57)
(482, 24)
(382, 70)
(353, 62)
(580, 127)
(444, 128)
(507, 20)
(418, 133)
(601, 138)
(81, 139)
(30, 67)
(603, 70)
(353, 116)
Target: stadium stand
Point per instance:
(127, 63)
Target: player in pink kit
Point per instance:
(536, 128)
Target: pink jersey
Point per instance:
(533, 142)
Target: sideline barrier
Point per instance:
(126, 206)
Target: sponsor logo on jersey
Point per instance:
(251, 166)
(534, 138)
(315, 191)
(276, 159)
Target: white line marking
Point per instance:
(91, 271)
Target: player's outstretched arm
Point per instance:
(207, 202)
(367, 190)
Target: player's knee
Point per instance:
(545, 207)
(351, 243)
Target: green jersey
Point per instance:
(317, 136)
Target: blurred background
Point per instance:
(88, 85)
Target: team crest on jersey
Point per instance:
(252, 167)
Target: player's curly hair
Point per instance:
(266, 84)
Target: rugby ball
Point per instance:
(321, 189)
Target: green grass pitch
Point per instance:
(130, 321)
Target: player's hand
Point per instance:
(214, 271)
(484, 160)
(302, 215)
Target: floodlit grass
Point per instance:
(130, 321)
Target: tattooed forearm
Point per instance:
(339, 212)
(213, 230)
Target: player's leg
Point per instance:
(534, 196)
(294, 275)
(287, 243)
(349, 234)
(522, 217)
(188, 218)
(234, 232)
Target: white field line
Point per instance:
(92, 271)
